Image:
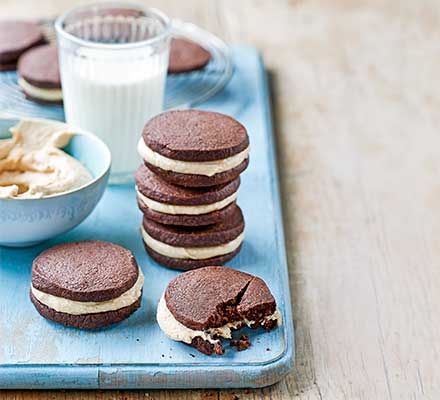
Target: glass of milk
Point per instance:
(113, 63)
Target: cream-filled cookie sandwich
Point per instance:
(16, 37)
(39, 75)
(200, 307)
(195, 148)
(170, 204)
(89, 284)
(187, 248)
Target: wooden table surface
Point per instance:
(356, 93)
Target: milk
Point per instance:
(114, 97)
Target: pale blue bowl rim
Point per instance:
(92, 137)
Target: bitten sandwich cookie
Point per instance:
(86, 285)
(195, 148)
(39, 75)
(170, 204)
(199, 307)
(186, 248)
(186, 56)
(15, 38)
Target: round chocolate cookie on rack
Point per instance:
(170, 204)
(186, 56)
(39, 75)
(89, 284)
(185, 248)
(200, 307)
(195, 148)
(15, 38)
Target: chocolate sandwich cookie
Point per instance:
(186, 56)
(15, 38)
(89, 284)
(199, 307)
(187, 248)
(170, 204)
(39, 75)
(195, 148)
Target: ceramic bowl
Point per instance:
(26, 222)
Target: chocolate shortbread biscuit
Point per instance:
(195, 148)
(193, 247)
(89, 284)
(186, 56)
(188, 264)
(199, 307)
(15, 38)
(170, 204)
(213, 217)
(39, 75)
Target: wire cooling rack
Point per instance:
(183, 90)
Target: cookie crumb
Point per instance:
(242, 343)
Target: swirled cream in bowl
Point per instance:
(51, 178)
(33, 164)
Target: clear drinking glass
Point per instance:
(113, 63)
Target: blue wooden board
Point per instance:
(35, 353)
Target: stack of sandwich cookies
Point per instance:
(187, 189)
(16, 37)
(89, 284)
(39, 75)
(199, 307)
